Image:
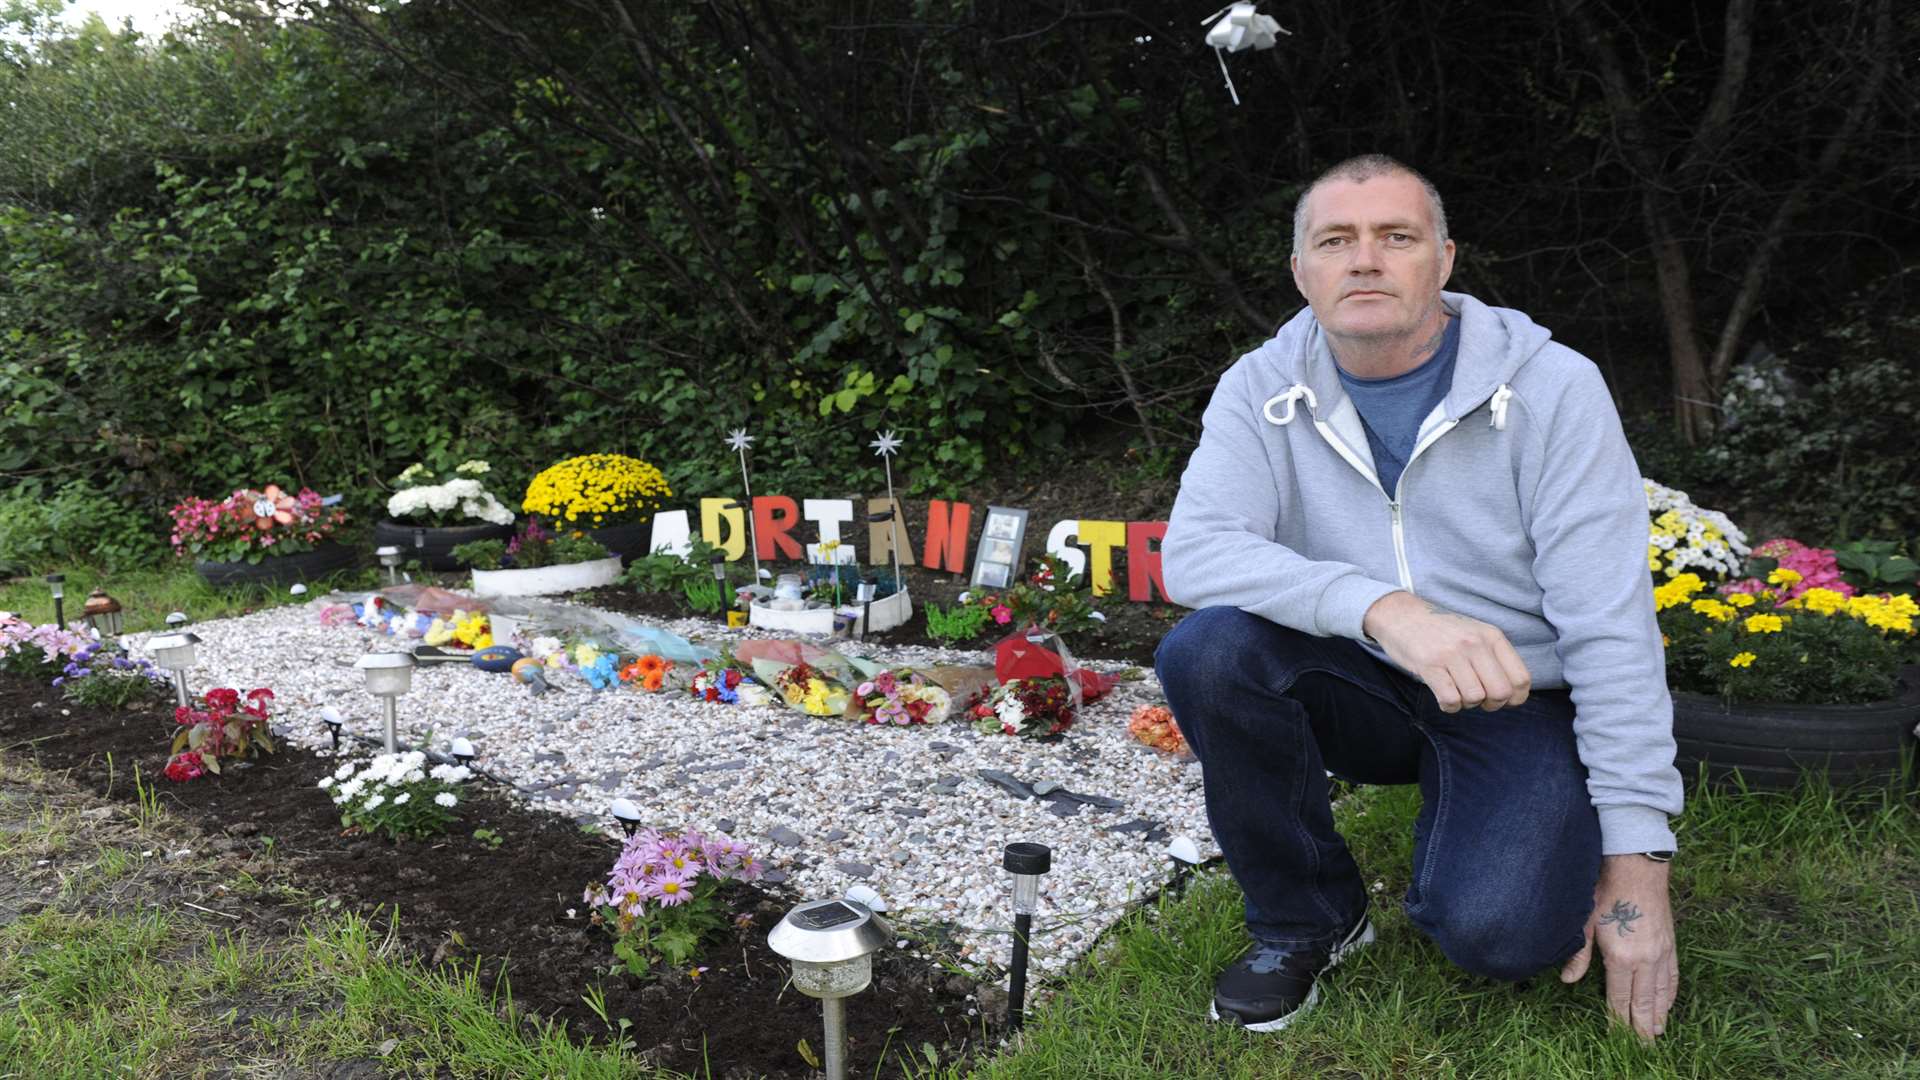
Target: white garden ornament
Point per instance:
(1242, 28)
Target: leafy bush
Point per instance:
(531, 548)
(77, 523)
(666, 573)
(962, 622)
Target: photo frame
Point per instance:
(1003, 537)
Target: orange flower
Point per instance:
(631, 673)
(651, 665)
(654, 680)
(1154, 726)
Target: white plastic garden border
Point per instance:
(888, 612)
(547, 580)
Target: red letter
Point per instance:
(774, 516)
(1143, 559)
(947, 536)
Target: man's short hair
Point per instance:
(1362, 168)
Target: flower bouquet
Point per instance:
(647, 673)
(249, 526)
(720, 684)
(1051, 598)
(1032, 708)
(224, 728)
(1818, 646)
(661, 899)
(460, 499)
(1154, 726)
(902, 698)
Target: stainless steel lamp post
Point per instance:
(389, 675)
(831, 945)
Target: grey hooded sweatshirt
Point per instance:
(1521, 506)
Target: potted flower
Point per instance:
(538, 562)
(1772, 678)
(610, 497)
(428, 515)
(265, 535)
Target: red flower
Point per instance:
(260, 694)
(223, 699)
(732, 678)
(184, 767)
(184, 715)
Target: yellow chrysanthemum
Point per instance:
(1764, 624)
(1784, 576)
(1745, 659)
(596, 486)
(1740, 599)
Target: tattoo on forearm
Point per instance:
(1622, 916)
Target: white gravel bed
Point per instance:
(826, 803)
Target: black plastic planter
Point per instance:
(440, 542)
(1773, 746)
(312, 565)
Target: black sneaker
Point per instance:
(1270, 986)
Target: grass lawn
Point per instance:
(1799, 924)
(146, 596)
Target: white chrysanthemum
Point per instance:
(475, 467)
(326, 782)
(403, 798)
(468, 495)
(343, 771)
(445, 799)
(1010, 711)
(374, 802)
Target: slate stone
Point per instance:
(855, 869)
(1138, 825)
(1006, 782)
(891, 757)
(943, 748)
(610, 781)
(1046, 787)
(688, 759)
(774, 876)
(725, 824)
(552, 758)
(651, 763)
(547, 729)
(724, 766)
(944, 789)
(910, 811)
(784, 836)
(917, 838)
(1063, 808)
(835, 834)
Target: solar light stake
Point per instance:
(719, 564)
(1026, 862)
(331, 717)
(389, 557)
(388, 676)
(463, 751)
(57, 583)
(419, 540)
(831, 944)
(176, 619)
(627, 814)
(864, 596)
(175, 652)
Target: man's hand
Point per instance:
(1465, 662)
(1632, 922)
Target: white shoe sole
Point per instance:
(1340, 952)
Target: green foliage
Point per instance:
(962, 622)
(704, 595)
(480, 554)
(1877, 566)
(666, 573)
(76, 522)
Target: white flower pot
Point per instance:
(547, 580)
(888, 613)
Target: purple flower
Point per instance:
(668, 888)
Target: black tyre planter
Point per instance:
(325, 559)
(1773, 746)
(437, 554)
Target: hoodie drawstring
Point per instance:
(1499, 407)
(1289, 396)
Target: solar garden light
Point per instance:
(719, 563)
(298, 588)
(103, 614)
(863, 596)
(331, 717)
(389, 557)
(419, 541)
(389, 674)
(176, 619)
(463, 751)
(831, 944)
(627, 814)
(58, 583)
(175, 652)
(1026, 862)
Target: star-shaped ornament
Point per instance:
(738, 440)
(887, 445)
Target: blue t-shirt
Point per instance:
(1391, 409)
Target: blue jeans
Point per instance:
(1506, 850)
